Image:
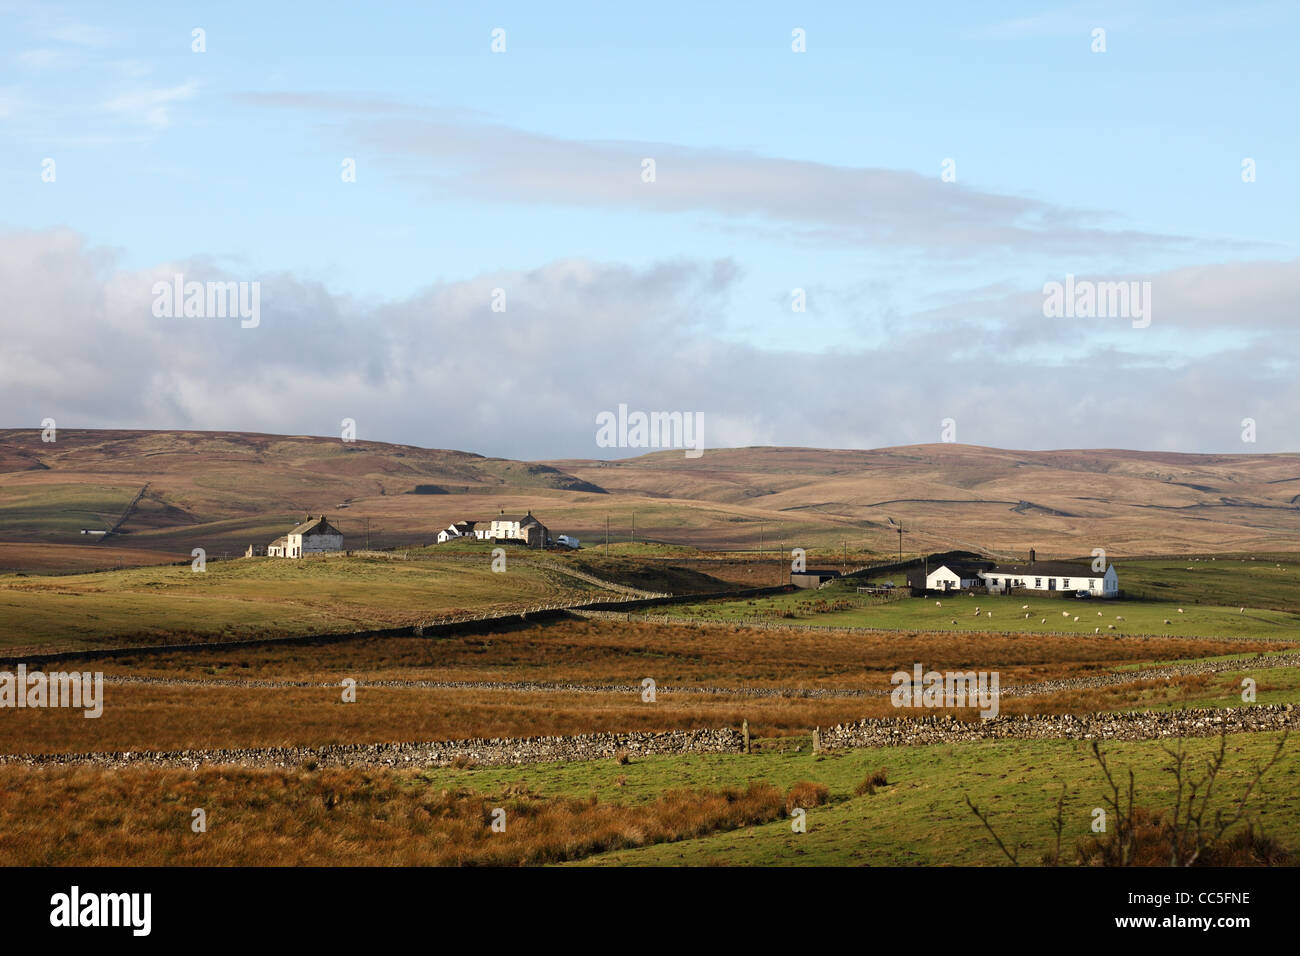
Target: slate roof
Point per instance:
(1044, 569)
(316, 526)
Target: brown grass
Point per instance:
(868, 787)
(612, 651)
(142, 817)
(149, 717)
(807, 794)
(1154, 836)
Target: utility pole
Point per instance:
(367, 534)
(607, 534)
(634, 527)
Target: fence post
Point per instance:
(744, 729)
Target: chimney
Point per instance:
(1032, 556)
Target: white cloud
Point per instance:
(441, 369)
(460, 155)
(46, 60)
(151, 106)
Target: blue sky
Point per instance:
(816, 170)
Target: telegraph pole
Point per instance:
(634, 527)
(607, 534)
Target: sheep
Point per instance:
(954, 620)
(938, 604)
(1096, 630)
(1065, 614)
(1024, 607)
(1118, 618)
(1076, 620)
(1180, 610)
(1043, 621)
(1167, 621)
(1111, 626)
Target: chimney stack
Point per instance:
(1032, 556)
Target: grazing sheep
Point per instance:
(938, 604)
(1243, 610)
(1024, 607)
(1099, 613)
(1167, 621)
(1044, 621)
(1096, 630)
(1111, 626)
(1180, 610)
(1065, 614)
(1076, 620)
(989, 613)
(1118, 618)
(954, 621)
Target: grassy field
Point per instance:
(262, 597)
(839, 605)
(698, 810)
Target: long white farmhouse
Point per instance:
(1035, 575)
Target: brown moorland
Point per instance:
(170, 491)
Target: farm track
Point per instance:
(1114, 678)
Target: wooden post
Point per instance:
(744, 729)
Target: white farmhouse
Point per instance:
(946, 577)
(313, 536)
(458, 529)
(1052, 576)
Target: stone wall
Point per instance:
(484, 752)
(1205, 722)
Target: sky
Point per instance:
(854, 217)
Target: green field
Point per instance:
(1000, 613)
(920, 817)
(263, 597)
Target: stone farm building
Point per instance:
(313, 536)
(526, 529)
(1048, 576)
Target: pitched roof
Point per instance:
(279, 542)
(1045, 569)
(316, 526)
(916, 577)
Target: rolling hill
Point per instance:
(157, 494)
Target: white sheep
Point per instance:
(1044, 621)
(1180, 610)
(1111, 626)
(1076, 620)
(1167, 621)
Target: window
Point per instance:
(1065, 583)
(1038, 582)
(1092, 584)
